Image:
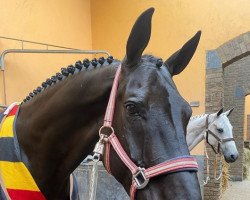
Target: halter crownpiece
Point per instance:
(140, 176)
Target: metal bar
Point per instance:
(3, 106)
(40, 43)
(47, 51)
(4, 88)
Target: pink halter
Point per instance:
(140, 176)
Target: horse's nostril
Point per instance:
(233, 157)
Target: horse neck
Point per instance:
(62, 127)
(195, 130)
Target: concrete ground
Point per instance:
(237, 191)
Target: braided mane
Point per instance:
(79, 66)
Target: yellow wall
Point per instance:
(247, 112)
(174, 22)
(60, 22)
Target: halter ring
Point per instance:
(106, 131)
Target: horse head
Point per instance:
(151, 117)
(222, 129)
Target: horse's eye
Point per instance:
(220, 130)
(132, 109)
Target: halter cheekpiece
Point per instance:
(140, 176)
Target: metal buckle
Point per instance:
(140, 178)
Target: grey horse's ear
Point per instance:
(180, 59)
(227, 113)
(139, 37)
(219, 112)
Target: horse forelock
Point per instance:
(223, 122)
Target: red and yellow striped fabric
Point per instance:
(17, 179)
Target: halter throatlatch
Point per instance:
(140, 176)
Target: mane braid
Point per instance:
(197, 116)
(70, 70)
(150, 58)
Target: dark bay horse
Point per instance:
(58, 126)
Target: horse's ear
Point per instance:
(180, 59)
(139, 37)
(227, 113)
(219, 112)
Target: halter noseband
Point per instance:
(140, 176)
(220, 140)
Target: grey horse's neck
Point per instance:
(195, 130)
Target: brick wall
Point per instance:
(236, 79)
(214, 101)
(227, 84)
